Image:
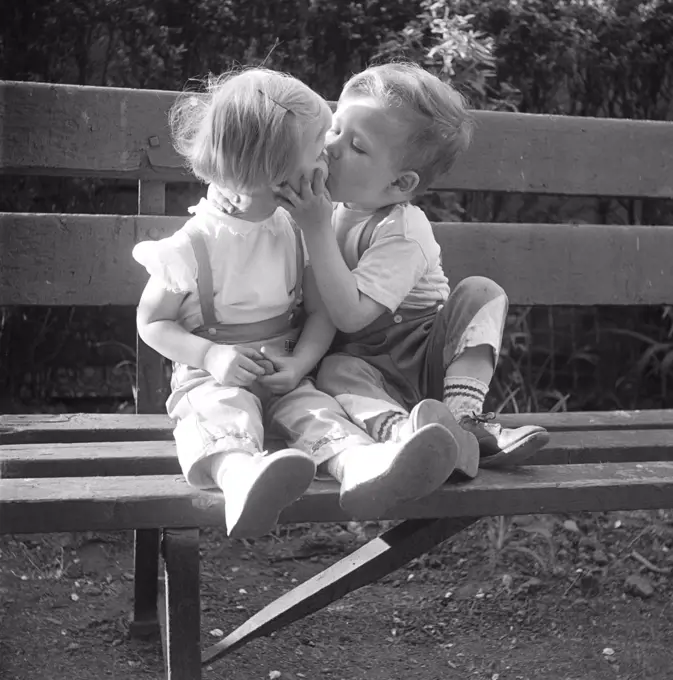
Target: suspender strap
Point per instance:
(299, 277)
(204, 277)
(366, 234)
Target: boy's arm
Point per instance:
(349, 308)
(318, 332)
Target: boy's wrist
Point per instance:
(302, 364)
(317, 230)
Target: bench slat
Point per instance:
(122, 133)
(118, 503)
(86, 260)
(158, 457)
(102, 427)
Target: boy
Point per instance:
(404, 336)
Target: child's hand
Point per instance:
(311, 207)
(288, 374)
(233, 365)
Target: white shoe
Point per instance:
(377, 477)
(256, 492)
(433, 411)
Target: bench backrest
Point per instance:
(64, 259)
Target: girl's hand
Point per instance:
(287, 375)
(234, 366)
(311, 207)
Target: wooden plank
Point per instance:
(120, 503)
(36, 428)
(533, 153)
(563, 264)
(83, 427)
(183, 609)
(86, 260)
(87, 131)
(159, 458)
(151, 392)
(74, 259)
(152, 370)
(122, 133)
(378, 558)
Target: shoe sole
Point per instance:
(432, 411)
(424, 462)
(284, 479)
(517, 453)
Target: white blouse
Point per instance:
(254, 265)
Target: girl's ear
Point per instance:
(407, 182)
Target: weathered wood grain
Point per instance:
(563, 264)
(122, 133)
(159, 458)
(119, 503)
(75, 259)
(35, 428)
(87, 131)
(86, 260)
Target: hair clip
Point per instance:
(268, 96)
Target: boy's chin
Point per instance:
(335, 192)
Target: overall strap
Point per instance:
(204, 277)
(366, 235)
(299, 278)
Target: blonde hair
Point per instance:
(440, 126)
(245, 130)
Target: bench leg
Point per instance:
(145, 583)
(376, 559)
(181, 634)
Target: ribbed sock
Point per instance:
(464, 396)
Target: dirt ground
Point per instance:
(560, 598)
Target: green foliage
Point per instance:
(447, 43)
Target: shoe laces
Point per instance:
(482, 417)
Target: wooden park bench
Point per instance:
(78, 472)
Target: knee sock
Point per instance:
(464, 396)
(385, 427)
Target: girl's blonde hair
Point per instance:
(245, 130)
(439, 123)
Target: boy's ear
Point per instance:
(407, 182)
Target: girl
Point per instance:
(222, 303)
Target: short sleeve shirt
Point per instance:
(402, 266)
(254, 265)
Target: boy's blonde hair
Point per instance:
(436, 114)
(245, 131)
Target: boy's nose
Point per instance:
(330, 150)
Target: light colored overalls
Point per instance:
(213, 418)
